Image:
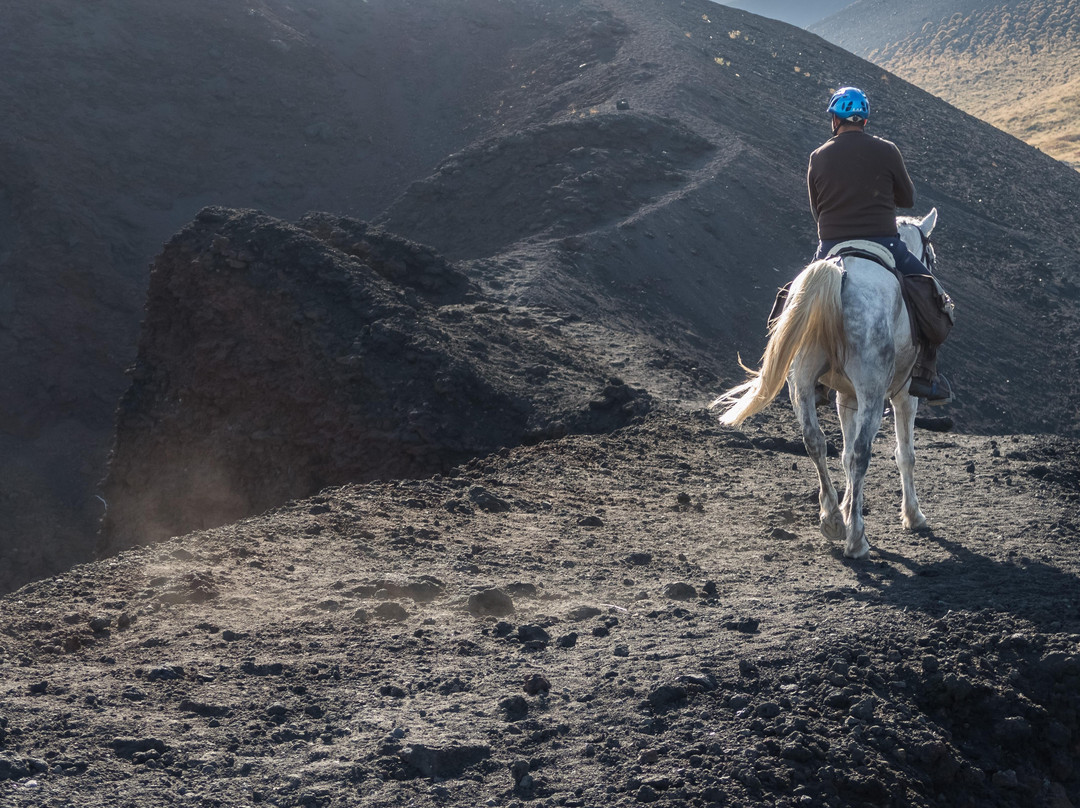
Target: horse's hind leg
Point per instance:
(831, 519)
(860, 423)
(904, 408)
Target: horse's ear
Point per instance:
(927, 224)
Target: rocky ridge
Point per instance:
(277, 360)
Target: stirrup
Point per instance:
(935, 394)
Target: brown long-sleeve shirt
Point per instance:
(856, 182)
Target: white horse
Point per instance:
(845, 324)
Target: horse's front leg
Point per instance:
(830, 518)
(904, 408)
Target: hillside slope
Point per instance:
(1012, 65)
(124, 118)
(606, 162)
(696, 238)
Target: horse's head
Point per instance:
(916, 235)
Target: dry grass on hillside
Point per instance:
(1015, 67)
(1056, 127)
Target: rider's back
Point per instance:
(856, 182)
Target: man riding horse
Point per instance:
(856, 182)
(864, 318)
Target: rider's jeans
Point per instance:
(907, 263)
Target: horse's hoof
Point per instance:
(832, 527)
(914, 524)
(861, 552)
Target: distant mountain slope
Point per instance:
(867, 24)
(1013, 64)
(796, 12)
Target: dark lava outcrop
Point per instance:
(276, 360)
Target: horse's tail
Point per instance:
(813, 317)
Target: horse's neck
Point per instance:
(913, 240)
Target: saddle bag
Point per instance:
(930, 306)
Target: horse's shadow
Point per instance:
(1029, 589)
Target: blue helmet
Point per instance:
(850, 104)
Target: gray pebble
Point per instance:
(493, 602)
(680, 591)
(389, 610)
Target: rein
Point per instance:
(928, 256)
